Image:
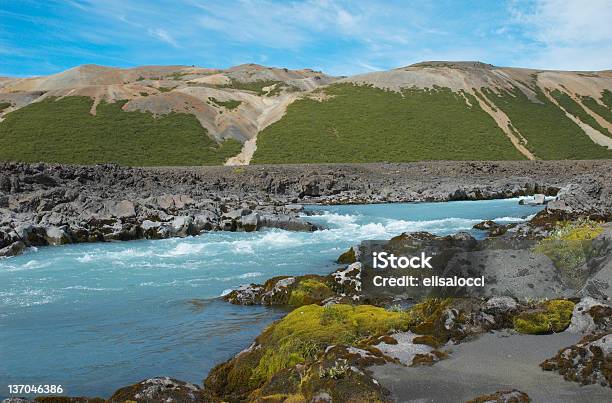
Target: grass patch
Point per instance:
(549, 133)
(575, 109)
(308, 329)
(64, 131)
(366, 124)
(552, 316)
(4, 105)
(165, 89)
(231, 104)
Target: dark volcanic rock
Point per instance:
(43, 204)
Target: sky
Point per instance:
(337, 37)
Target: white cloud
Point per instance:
(575, 35)
(163, 35)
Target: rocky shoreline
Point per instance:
(337, 345)
(46, 204)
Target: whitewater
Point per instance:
(95, 317)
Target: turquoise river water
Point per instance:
(95, 317)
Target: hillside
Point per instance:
(179, 115)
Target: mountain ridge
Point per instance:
(245, 102)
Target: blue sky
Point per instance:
(338, 37)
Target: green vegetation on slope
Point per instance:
(64, 131)
(366, 124)
(255, 86)
(231, 104)
(575, 109)
(549, 133)
(4, 105)
(603, 111)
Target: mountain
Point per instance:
(187, 115)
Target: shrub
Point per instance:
(366, 124)
(64, 131)
(569, 246)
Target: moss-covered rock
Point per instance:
(588, 362)
(347, 257)
(162, 389)
(309, 291)
(552, 316)
(285, 290)
(298, 340)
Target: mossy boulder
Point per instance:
(587, 362)
(285, 290)
(347, 257)
(298, 340)
(552, 316)
(309, 291)
(308, 329)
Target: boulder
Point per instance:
(485, 225)
(286, 222)
(590, 315)
(122, 209)
(518, 273)
(248, 223)
(590, 198)
(599, 285)
(538, 199)
(14, 249)
(182, 226)
(204, 221)
(57, 235)
(498, 305)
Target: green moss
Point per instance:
(164, 89)
(230, 105)
(4, 105)
(550, 317)
(579, 230)
(549, 132)
(309, 291)
(347, 257)
(308, 329)
(575, 109)
(366, 124)
(64, 131)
